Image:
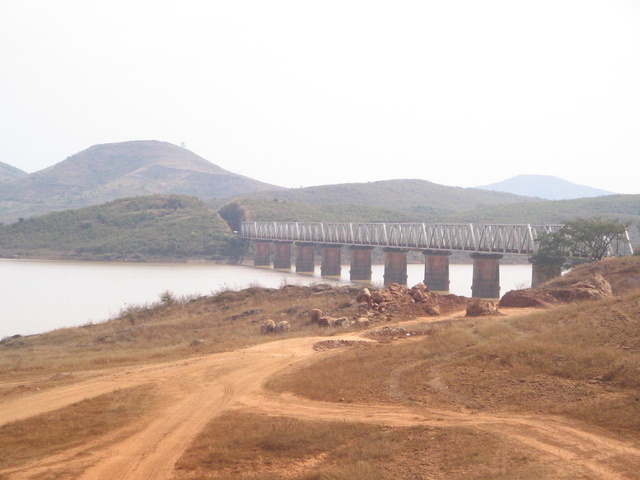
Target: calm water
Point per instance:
(38, 295)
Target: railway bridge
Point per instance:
(486, 244)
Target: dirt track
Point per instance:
(196, 391)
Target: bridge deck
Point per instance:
(502, 239)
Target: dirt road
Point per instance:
(195, 391)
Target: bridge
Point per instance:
(486, 245)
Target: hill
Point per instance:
(545, 186)
(107, 172)
(8, 172)
(624, 207)
(274, 210)
(418, 197)
(140, 228)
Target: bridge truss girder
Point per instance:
(518, 239)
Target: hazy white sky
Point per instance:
(297, 93)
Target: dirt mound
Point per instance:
(400, 303)
(592, 288)
(623, 273)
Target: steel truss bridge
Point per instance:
(498, 239)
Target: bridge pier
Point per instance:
(395, 266)
(305, 262)
(542, 273)
(360, 263)
(262, 254)
(282, 257)
(331, 265)
(436, 270)
(486, 275)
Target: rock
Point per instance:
(315, 315)
(321, 287)
(198, 342)
(362, 322)
(282, 327)
(268, 327)
(326, 321)
(478, 307)
(338, 322)
(592, 288)
(364, 296)
(432, 310)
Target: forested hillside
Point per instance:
(418, 197)
(142, 228)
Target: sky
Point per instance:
(299, 93)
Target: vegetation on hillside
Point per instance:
(275, 210)
(161, 226)
(626, 208)
(418, 197)
(577, 241)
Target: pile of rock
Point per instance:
(400, 302)
(393, 302)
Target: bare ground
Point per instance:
(190, 393)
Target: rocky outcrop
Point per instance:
(592, 288)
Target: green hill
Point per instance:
(107, 172)
(624, 207)
(274, 210)
(140, 228)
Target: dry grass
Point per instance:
(72, 426)
(582, 361)
(243, 446)
(225, 321)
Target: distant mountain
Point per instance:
(415, 196)
(111, 171)
(545, 186)
(8, 172)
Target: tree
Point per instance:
(578, 241)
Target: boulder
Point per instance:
(314, 315)
(282, 327)
(364, 296)
(478, 307)
(268, 327)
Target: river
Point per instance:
(40, 295)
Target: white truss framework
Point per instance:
(502, 239)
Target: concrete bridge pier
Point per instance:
(486, 275)
(360, 263)
(305, 262)
(282, 257)
(262, 254)
(395, 266)
(331, 265)
(542, 273)
(436, 270)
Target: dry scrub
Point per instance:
(245, 446)
(173, 328)
(72, 426)
(582, 361)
